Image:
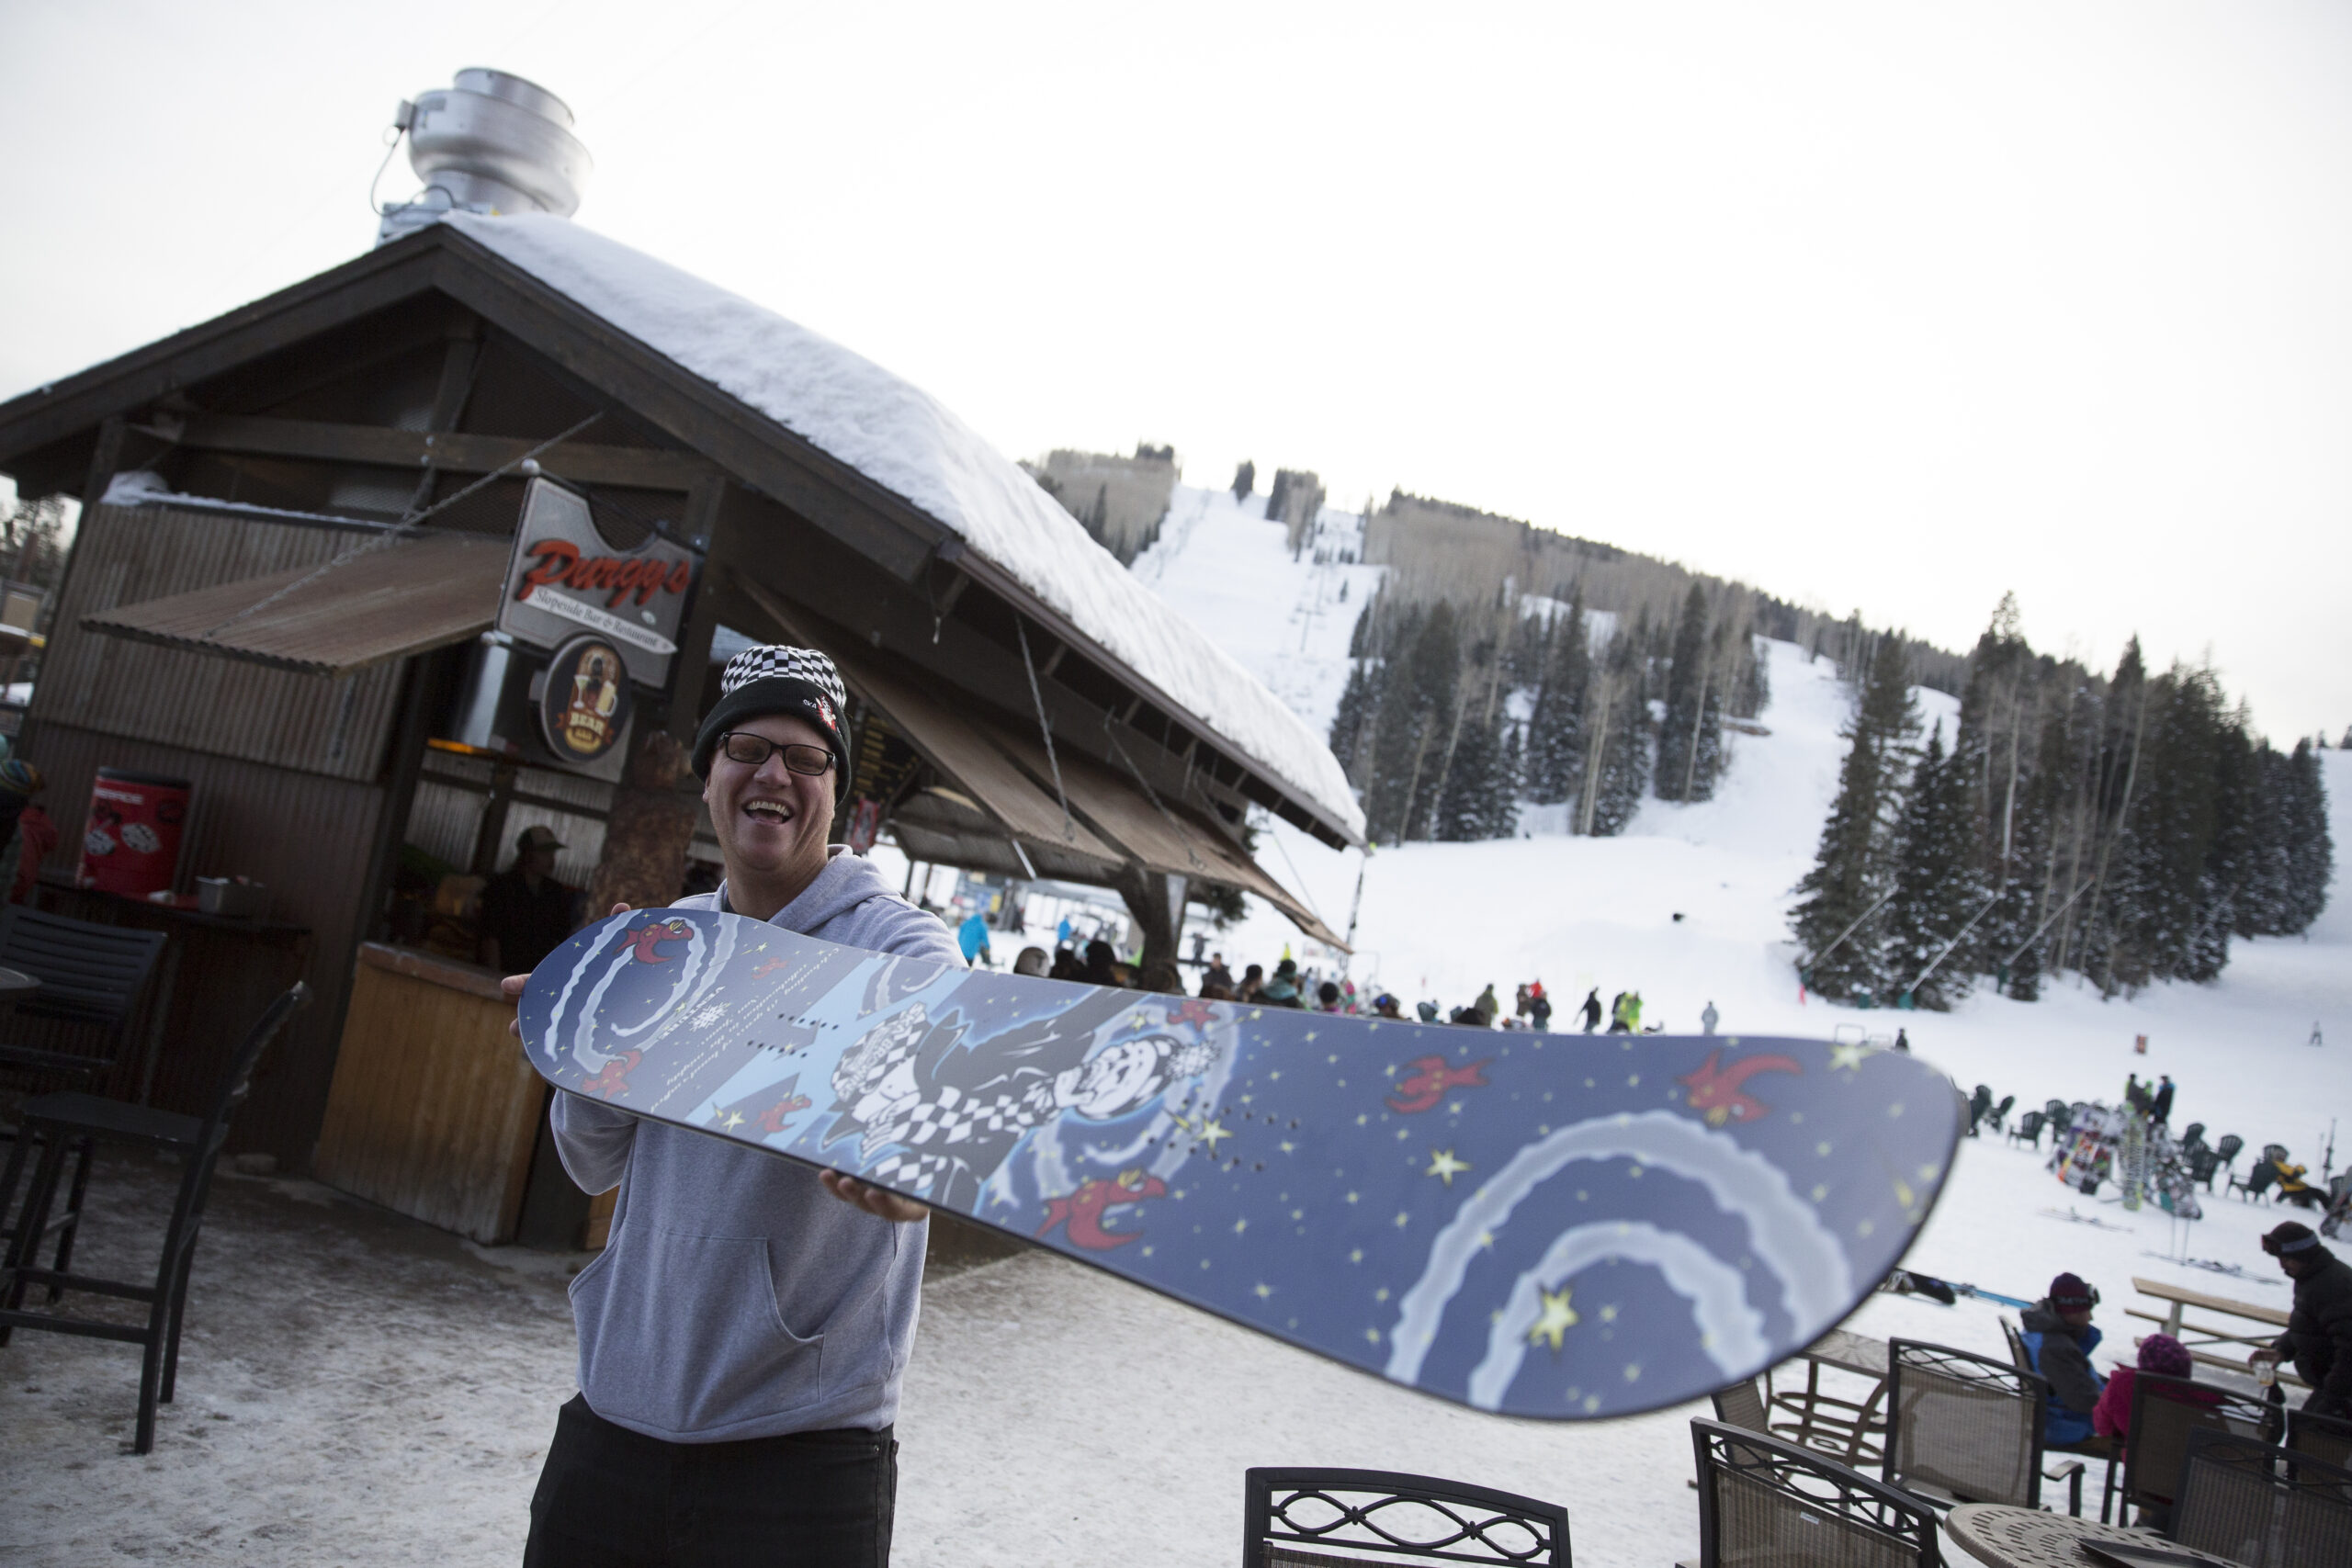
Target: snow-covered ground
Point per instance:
(362, 1390)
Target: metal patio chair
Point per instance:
(1763, 1500)
(2324, 1438)
(1346, 1518)
(1963, 1428)
(91, 976)
(1741, 1404)
(2165, 1411)
(2262, 1506)
(63, 1118)
(2019, 1355)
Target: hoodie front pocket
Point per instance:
(682, 1333)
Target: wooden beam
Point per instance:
(635, 468)
(356, 288)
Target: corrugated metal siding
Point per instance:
(225, 706)
(446, 815)
(443, 822)
(307, 837)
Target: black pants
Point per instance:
(609, 1497)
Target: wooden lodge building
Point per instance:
(295, 587)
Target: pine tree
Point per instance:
(1479, 785)
(1617, 764)
(1689, 740)
(1351, 725)
(2230, 884)
(2302, 831)
(1935, 890)
(1998, 732)
(1245, 480)
(2019, 957)
(1854, 869)
(2160, 849)
(1555, 732)
(1415, 724)
(2123, 727)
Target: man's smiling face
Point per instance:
(769, 819)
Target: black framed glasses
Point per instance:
(753, 751)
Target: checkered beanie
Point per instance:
(776, 679)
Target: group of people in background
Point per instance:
(1097, 962)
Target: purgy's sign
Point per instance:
(564, 580)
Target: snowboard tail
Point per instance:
(1552, 1225)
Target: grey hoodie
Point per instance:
(737, 1298)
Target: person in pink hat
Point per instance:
(2161, 1353)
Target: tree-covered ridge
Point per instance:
(2123, 827)
(1455, 720)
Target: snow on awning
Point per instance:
(408, 597)
(903, 439)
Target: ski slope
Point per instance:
(1443, 920)
(1092, 1369)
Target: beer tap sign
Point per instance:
(565, 579)
(584, 704)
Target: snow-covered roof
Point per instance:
(903, 439)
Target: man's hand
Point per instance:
(513, 984)
(874, 1199)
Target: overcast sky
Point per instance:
(1871, 305)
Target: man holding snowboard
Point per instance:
(743, 1335)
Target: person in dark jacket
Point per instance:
(2160, 1109)
(2318, 1341)
(1592, 1009)
(2059, 1340)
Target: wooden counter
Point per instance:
(434, 1112)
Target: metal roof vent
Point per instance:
(489, 143)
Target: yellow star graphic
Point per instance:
(1211, 1132)
(1848, 1055)
(1444, 1166)
(734, 1120)
(1556, 1319)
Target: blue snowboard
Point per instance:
(1552, 1225)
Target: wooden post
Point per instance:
(1146, 894)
